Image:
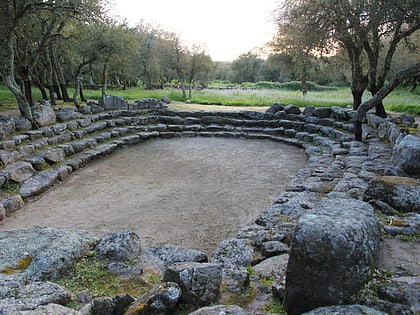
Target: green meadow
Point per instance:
(400, 100)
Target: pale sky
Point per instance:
(227, 28)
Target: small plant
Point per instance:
(412, 237)
(92, 275)
(250, 271)
(275, 307)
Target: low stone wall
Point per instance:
(328, 189)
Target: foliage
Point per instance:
(92, 275)
(275, 307)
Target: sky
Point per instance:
(227, 28)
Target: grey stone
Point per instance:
(292, 109)
(45, 253)
(272, 267)
(402, 290)
(64, 171)
(406, 155)
(16, 297)
(49, 309)
(322, 112)
(19, 171)
(2, 212)
(199, 282)
(219, 310)
(37, 162)
(55, 155)
(115, 305)
(234, 252)
(7, 126)
(273, 248)
(123, 270)
(12, 204)
(164, 256)
(166, 100)
(401, 193)
(276, 107)
(43, 115)
(38, 184)
(345, 309)
(339, 113)
(110, 102)
(22, 124)
(333, 249)
(66, 114)
(160, 300)
(119, 246)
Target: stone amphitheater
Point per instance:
(318, 242)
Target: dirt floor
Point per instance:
(188, 192)
(192, 192)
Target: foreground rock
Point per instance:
(333, 249)
(40, 253)
(406, 155)
(401, 193)
(199, 282)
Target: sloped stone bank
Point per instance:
(337, 168)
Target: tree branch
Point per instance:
(380, 95)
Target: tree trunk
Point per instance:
(104, 78)
(7, 58)
(380, 95)
(27, 85)
(303, 79)
(77, 91)
(60, 75)
(40, 85)
(49, 72)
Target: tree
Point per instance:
(198, 63)
(278, 67)
(356, 26)
(15, 16)
(377, 98)
(246, 68)
(174, 57)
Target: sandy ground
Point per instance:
(192, 192)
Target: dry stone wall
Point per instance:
(331, 186)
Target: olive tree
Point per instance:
(15, 16)
(358, 27)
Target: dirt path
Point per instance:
(192, 192)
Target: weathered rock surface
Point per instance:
(333, 249)
(16, 297)
(12, 204)
(220, 310)
(345, 309)
(401, 193)
(39, 183)
(7, 126)
(47, 258)
(43, 115)
(199, 282)
(109, 102)
(406, 155)
(115, 305)
(162, 257)
(160, 300)
(119, 246)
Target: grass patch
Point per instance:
(260, 94)
(275, 307)
(412, 237)
(92, 275)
